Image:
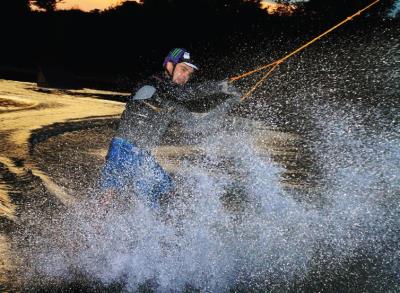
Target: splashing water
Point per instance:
(233, 225)
(269, 240)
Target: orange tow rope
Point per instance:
(275, 64)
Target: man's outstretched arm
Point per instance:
(232, 99)
(193, 91)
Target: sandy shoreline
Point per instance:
(25, 190)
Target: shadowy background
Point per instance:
(114, 48)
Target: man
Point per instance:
(130, 168)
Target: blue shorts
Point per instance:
(129, 169)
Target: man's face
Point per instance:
(182, 73)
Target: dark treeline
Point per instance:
(128, 42)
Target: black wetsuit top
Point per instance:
(144, 122)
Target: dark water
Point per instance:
(233, 225)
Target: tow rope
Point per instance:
(276, 63)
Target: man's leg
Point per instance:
(154, 182)
(131, 168)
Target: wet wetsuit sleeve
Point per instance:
(194, 91)
(221, 109)
(231, 99)
(186, 118)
